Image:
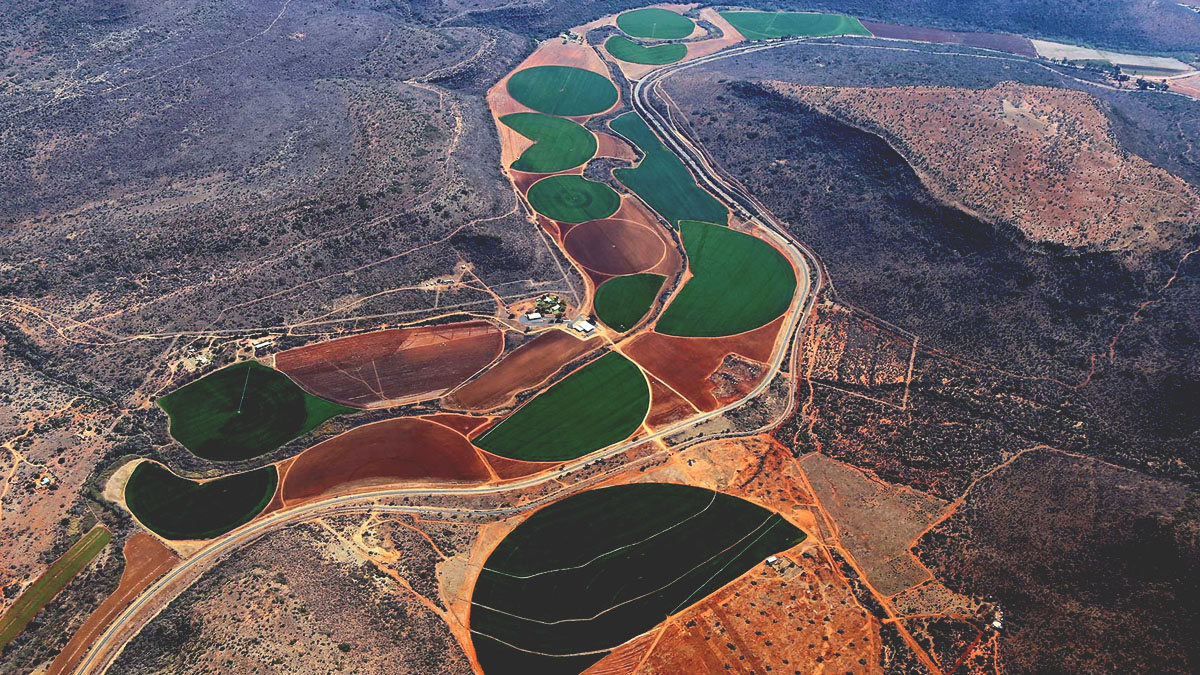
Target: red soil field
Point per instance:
(405, 449)
(1005, 43)
(1188, 86)
(146, 559)
(666, 406)
(685, 364)
(608, 145)
(614, 247)
(506, 468)
(389, 367)
(463, 424)
(527, 366)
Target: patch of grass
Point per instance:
(738, 283)
(573, 199)
(53, 580)
(629, 51)
(562, 90)
(592, 408)
(559, 144)
(243, 411)
(768, 25)
(622, 301)
(651, 22)
(662, 180)
(178, 508)
(600, 567)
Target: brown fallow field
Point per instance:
(1013, 44)
(390, 367)
(526, 367)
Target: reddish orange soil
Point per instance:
(506, 468)
(527, 366)
(624, 660)
(400, 450)
(1188, 86)
(390, 367)
(614, 247)
(686, 364)
(611, 146)
(145, 560)
(463, 424)
(666, 406)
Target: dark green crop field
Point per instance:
(562, 90)
(661, 179)
(600, 404)
(738, 283)
(631, 52)
(559, 144)
(178, 508)
(651, 22)
(622, 301)
(598, 568)
(767, 25)
(573, 199)
(243, 411)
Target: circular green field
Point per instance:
(621, 302)
(573, 199)
(559, 144)
(178, 508)
(594, 570)
(652, 22)
(562, 90)
(631, 52)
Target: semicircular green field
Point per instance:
(769, 25)
(562, 90)
(559, 144)
(243, 411)
(594, 570)
(631, 52)
(621, 302)
(573, 199)
(652, 22)
(178, 508)
(738, 283)
(594, 407)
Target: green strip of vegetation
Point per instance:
(243, 411)
(769, 25)
(621, 302)
(600, 567)
(178, 508)
(559, 144)
(662, 180)
(562, 90)
(738, 283)
(632, 52)
(573, 199)
(659, 24)
(51, 582)
(594, 407)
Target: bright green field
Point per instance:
(559, 144)
(598, 405)
(651, 22)
(562, 90)
(573, 199)
(767, 25)
(631, 52)
(177, 508)
(622, 301)
(738, 284)
(598, 568)
(51, 582)
(661, 179)
(243, 411)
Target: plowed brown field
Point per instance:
(463, 424)
(615, 247)
(529, 365)
(1005, 43)
(666, 406)
(406, 449)
(390, 367)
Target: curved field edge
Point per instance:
(179, 508)
(562, 90)
(559, 144)
(596, 569)
(655, 23)
(243, 411)
(738, 283)
(594, 407)
(629, 51)
(573, 199)
(621, 302)
(769, 25)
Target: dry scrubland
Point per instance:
(1042, 159)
